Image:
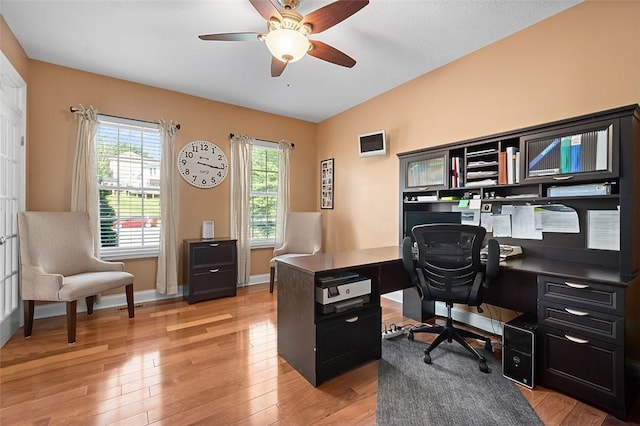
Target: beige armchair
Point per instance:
(302, 236)
(57, 264)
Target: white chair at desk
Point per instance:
(302, 236)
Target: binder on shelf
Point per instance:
(586, 190)
(576, 153)
(517, 167)
(565, 154)
(455, 172)
(601, 150)
(545, 152)
(502, 168)
(511, 164)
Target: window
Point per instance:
(128, 162)
(264, 193)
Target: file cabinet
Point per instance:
(582, 327)
(210, 269)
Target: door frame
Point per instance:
(9, 77)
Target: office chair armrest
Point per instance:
(493, 259)
(36, 284)
(421, 285)
(474, 293)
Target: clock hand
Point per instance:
(209, 165)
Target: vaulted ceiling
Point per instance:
(156, 43)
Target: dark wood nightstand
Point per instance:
(210, 269)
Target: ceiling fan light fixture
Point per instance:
(287, 45)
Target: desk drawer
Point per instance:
(582, 294)
(347, 341)
(591, 324)
(584, 368)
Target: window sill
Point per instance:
(121, 254)
(263, 245)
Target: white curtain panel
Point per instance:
(84, 185)
(167, 274)
(240, 192)
(284, 170)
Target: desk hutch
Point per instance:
(587, 301)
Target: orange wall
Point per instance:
(582, 60)
(51, 147)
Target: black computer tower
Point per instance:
(519, 350)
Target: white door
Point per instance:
(13, 99)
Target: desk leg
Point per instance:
(415, 308)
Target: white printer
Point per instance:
(342, 290)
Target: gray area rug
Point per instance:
(451, 391)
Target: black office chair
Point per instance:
(449, 270)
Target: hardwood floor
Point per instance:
(214, 362)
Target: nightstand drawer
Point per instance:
(591, 324)
(211, 285)
(213, 253)
(582, 294)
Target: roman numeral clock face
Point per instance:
(202, 164)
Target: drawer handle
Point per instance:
(214, 245)
(354, 319)
(213, 270)
(575, 312)
(562, 177)
(574, 285)
(575, 339)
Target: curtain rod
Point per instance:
(266, 140)
(74, 109)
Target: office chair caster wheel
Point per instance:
(487, 346)
(483, 365)
(427, 358)
(410, 336)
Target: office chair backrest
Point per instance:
(449, 266)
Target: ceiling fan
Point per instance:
(288, 31)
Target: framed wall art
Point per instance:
(326, 184)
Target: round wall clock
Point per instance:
(202, 164)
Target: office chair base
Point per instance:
(449, 333)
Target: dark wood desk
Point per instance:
(321, 346)
(592, 355)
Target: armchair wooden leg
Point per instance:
(28, 317)
(129, 289)
(90, 301)
(71, 321)
(272, 277)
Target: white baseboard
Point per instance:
(470, 318)
(106, 302)
(120, 300)
(256, 279)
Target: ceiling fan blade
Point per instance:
(266, 9)
(332, 14)
(277, 67)
(231, 37)
(330, 54)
